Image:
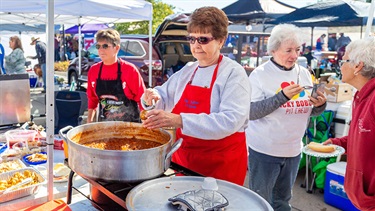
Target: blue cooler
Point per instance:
(334, 192)
(33, 81)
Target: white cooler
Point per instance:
(342, 113)
(334, 192)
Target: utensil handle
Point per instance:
(153, 103)
(152, 106)
(23, 182)
(174, 148)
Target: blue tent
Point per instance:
(247, 10)
(328, 13)
(86, 28)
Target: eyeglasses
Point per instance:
(201, 40)
(341, 62)
(104, 46)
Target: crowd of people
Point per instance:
(333, 44)
(15, 61)
(232, 123)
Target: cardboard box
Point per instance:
(338, 92)
(334, 192)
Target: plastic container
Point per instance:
(65, 146)
(19, 138)
(334, 192)
(209, 183)
(26, 160)
(33, 81)
(58, 143)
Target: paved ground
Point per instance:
(301, 201)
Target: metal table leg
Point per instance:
(70, 188)
(307, 173)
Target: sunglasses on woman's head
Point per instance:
(104, 46)
(201, 40)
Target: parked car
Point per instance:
(170, 52)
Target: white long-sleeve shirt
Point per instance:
(230, 99)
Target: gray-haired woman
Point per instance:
(358, 69)
(280, 109)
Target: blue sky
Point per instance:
(191, 5)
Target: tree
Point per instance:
(160, 11)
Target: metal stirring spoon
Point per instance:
(307, 87)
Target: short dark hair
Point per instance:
(109, 35)
(209, 20)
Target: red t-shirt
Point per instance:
(133, 84)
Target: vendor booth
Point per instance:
(65, 12)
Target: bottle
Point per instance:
(72, 86)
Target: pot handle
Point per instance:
(65, 129)
(174, 148)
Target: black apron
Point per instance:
(113, 103)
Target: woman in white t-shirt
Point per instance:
(280, 109)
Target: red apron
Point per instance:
(224, 159)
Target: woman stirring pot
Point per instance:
(207, 101)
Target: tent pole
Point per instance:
(150, 52)
(312, 36)
(79, 48)
(370, 19)
(50, 111)
(64, 41)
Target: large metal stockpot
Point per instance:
(117, 165)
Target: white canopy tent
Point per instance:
(370, 19)
(70, 12)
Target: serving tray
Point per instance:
(28, 190)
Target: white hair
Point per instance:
(282, 33)
(363, 50)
